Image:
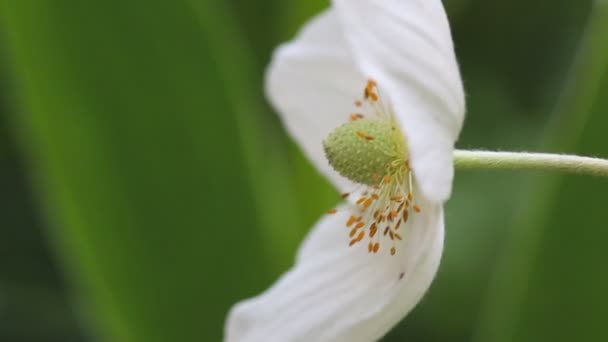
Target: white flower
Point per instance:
(339, 290)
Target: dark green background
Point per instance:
(146, 185)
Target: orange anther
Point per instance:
(351, 221)
(397, 236)
(393, 251)
(353, 232)
(398, 224)
(358, 103)
(370, 247)
(360, 236)
(374, 196)
(344, 195)
(410, 197)
(391, 234)
(372, 230)
(397, 198)
(417, 208)
(376, 247)
(406, 215)
(356, 116)
(387, 179)
(360, 224)
(361, 200)
(386, 230)
(364, 136)
(368, 202)
(332, 211)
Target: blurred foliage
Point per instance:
(146, 186)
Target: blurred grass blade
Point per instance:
(549, 284)
(262, 140)
(134, 148)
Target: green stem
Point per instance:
(530, 161)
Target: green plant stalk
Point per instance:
(530, 161)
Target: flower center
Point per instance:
(364, 150)
(374, 153)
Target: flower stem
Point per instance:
(530, 161)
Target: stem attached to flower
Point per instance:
(530, 161)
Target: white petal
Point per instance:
(337, 293)
(313, 83)
(407, 47)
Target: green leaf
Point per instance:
(134, 148)
(549, 284)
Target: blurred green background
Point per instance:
(146, 185)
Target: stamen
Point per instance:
(351, 221)
(356, 116)
(365, 136)
(376, 247)
(372, 230)
(373, 153)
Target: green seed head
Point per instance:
(365, 150)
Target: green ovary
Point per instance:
(365, 150)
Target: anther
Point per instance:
(332, 211)
(376, 247)
(356, 116)
(360, 236)
(417, 208)
(393, 251)
(372, 230)
(398, 224)
(364, 136)
(351, 221)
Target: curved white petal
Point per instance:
(407, 47)
(313, 83)
(337, 293)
